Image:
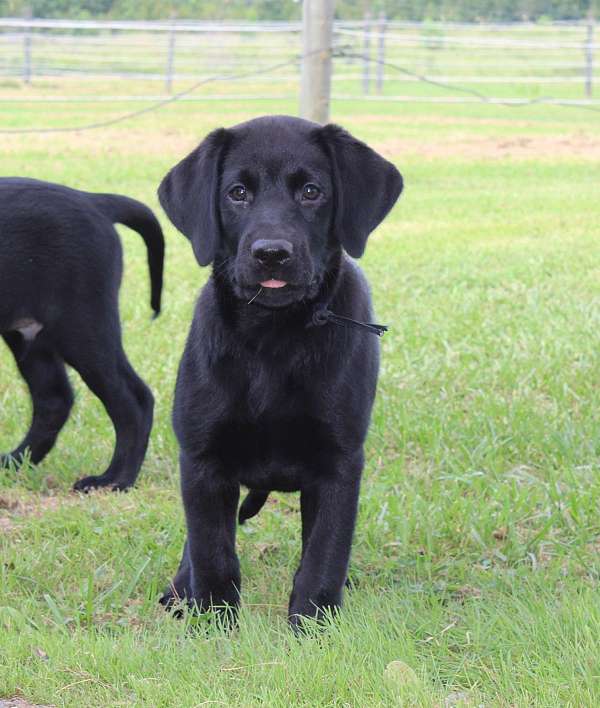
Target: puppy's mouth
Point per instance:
(273, 284)
(274, 289)
(273, 292)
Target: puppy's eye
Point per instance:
(238, 193)
(310, 192)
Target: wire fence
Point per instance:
(374, 59)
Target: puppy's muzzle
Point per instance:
(272, 253)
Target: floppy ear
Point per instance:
(188, 194)
(366, 188)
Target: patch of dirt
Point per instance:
(11, 508)
(466, 592)
(34, 507)
(500, 534)
(173, 143)
(593, 546)
(457, 698)
(166, 143)
(6, 525)
(8, 504)
(20, 703)
(371, 118)
(577, 146)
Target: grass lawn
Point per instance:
(476, 558)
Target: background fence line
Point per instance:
(512, 59)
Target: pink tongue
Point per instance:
(274, 284)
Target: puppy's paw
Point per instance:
(304, 616)
(99, 482)
(307, 622)
(8, 460)
(175, 600)
(200, 614)
(305, 611)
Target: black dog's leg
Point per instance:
(51, 395)
(210, 501)
(102, 364)
(328, 517)
(129, 404)
(180, 588)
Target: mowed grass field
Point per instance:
(476, 560)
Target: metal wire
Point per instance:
(473, 92)
(337, 52)
(158, 104)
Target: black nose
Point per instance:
(272, 253)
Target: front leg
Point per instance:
(210, 501)
(179, 588)
(329, 509)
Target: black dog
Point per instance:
(60, 272)
(272, 392)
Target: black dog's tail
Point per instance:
(252, 504)
(140, 218)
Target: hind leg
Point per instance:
(51, 395)
(100, 360)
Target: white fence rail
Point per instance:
(374, 57)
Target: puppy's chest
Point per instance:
(270, 451)
(258, 387)
(274, 428)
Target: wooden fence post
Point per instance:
(317, 37)
(381, 52)
(367, 54)
(27, 40)
(589, 57)
(170, 57)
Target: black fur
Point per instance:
(264, 398)
(60, 272)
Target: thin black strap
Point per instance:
(323, 316)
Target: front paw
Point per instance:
(218, 603)
(317, 605)
(174, 600)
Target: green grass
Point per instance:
(476, 558)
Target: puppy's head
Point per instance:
(272, 200)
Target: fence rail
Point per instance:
(508, 58)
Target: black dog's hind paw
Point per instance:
(8, 460)
(97, 482)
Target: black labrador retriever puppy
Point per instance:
(278, 377)
(60, 272)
